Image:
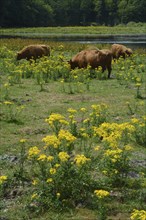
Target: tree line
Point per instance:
(36, 13)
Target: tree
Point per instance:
(87, 11)
(101, 12)
(111, 9)
(4, 5)
(26, 13)
(132, 10)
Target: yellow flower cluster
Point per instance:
(66, 135)
(113, 132)
(80, 159)
(114, 155)
(51, 140)
(72, 111)
(128, 147)
(138, 84)
(87, 120)
(3, 179)
(23, 140)
(99, 108)
(34, 182)
(50, 158)
(101, 193)
(6, 85)
(54, 117)
(8, 103)
(83, 109)
(138, 215)
(34, 196)
(33, 151)
(83, 133)
(63, 156)
(97, 148)
(42, 157)
(52, 171)
(135, 120)
(57, 165)
(49, 180)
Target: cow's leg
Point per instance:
(109, 71)
(124, 56)
(103, 68)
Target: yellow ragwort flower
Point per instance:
(52, 171)
(97, 148)
(49, 180)
(66, 135)
(23, 140)
(138, 215)
(50, 158)
(83, 109)
(8, 103)
(54, 117)
(80, 159)
(33, 151)
(63, 156)
(34, 196)
(42, 157)
(34, 182)
(3, 179)
(72, 111)
(101, 193)
(51, 140)
(57, 165)
(58, 195)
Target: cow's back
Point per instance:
(36, 51)
(84, 58)
(106, 55)
(33, 51)
(46, 49)
(92, 58)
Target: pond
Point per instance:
(133, 41)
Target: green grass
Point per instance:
(31, 125)
(75, 32)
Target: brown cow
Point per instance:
(94, 58)
(119, 50)
(33, 52)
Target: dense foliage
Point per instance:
(28, 13)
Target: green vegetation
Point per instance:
(75, 32)
(72, 142)
(44, 13)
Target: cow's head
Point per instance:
(19, 56)
(72, 64)
(129, 51)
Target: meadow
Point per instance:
(75, 31)
(72, 141)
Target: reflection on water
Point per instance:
(133, 41)
(133, 45)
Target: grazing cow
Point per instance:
(119, 50)
(94, 58)
(33, 52)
